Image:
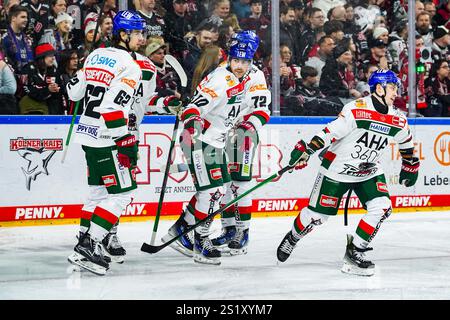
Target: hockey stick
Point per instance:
(69, 134)
(75, 111)
(183, 79)
(154, 249)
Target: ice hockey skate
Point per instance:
(204, 251)
(286, 246)
(113, 247)
(184, 244)
(222, 241)
(89, 255)
(239, 244)
(355, 262)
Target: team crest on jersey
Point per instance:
(360, 103)
(364, 169)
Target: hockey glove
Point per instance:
(409, 172)
(172, 105)
(127, 150)
(192, 131)
(300, 155)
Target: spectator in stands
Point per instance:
(202, 39)
(89, 32)
(419, 7)
(307, 38)
(325, 52)
(338, 13)
(397, 43)
(178, 23)
(288, 35)
(60, 36)
(241, 8)
(56, 6)
(109, 8)
(225, 33)
(438, 90)
(4, 11)
(440, 44)
(42, 88)
(155, 23)
(326, 5)
(312, 100)
(442, 15)
(89, 12)
(8, 87)
(430, 8)
(259, 24)
(334, 29)
(106, 27)
(221, 13)
(209, 60)
(16, 45)
(350, 26)
(299, 8)
(67, 67)
(423, 27)
(167, 82)
(38, 14)
(378, 54)
(337, 79)
(362, 86)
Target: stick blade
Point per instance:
(149, 248)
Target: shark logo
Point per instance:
(38, 160)
(38, 153)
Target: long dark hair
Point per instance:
(64, 59)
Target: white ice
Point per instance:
(411, 253)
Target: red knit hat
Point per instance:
(44, 49)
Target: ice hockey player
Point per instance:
(356, 139)
(231, 92)
(241, 147)
(107, 82)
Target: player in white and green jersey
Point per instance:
(108, 82)
(356, 141)
(232, 91)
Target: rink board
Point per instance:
(37, 188)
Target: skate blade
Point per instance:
(178, 247)
(355, 270)
(80, 261)
(116, 259)
(237, 252)
(201, 259)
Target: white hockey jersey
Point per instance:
(222, 100)
(107, 83)
(359, 137)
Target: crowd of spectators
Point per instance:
(328, 48)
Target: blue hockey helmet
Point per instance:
(243, 45)
(128, 20)
(383, 77)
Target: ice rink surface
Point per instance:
(411, 253)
